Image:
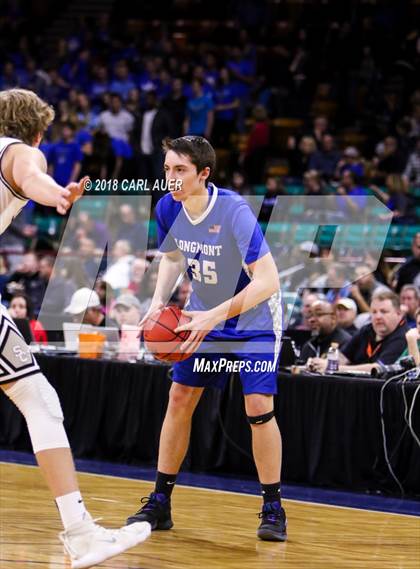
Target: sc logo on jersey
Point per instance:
(22, 355)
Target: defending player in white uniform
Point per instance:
(23, 119)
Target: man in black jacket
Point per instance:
(155, 124)
(323, 317)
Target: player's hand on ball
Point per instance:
(200, 324)
(153, 308)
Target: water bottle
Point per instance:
(332, 358)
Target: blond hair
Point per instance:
(24, 115)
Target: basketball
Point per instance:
(159, 335)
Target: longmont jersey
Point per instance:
(217, 247)
(10, 202)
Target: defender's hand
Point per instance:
(76, 189)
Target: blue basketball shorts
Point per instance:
(257, 370)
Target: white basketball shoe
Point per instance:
(88, 543)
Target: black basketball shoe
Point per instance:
(156, 511)
(273, 523)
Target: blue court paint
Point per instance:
(244, 486)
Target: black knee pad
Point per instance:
(260, 419)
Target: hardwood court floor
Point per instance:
(214, 530)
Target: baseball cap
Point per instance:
(348, 303)
(309, 247)
(81, 300)
(351, 152)
(128, 300)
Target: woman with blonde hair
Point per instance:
(397, 198)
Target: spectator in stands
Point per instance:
(239, 184)
(122, 82)
(148, 287)
(313, 183)
(326, 159)
(20, 307)
(74, 272)
(8, 77)
(85, 226)
(351, 161)
(117, 121)
(414, 117)
(320, 127)
(13, 241)
(138, 269)
(364, 287)
(98, 156)
(133, 103)
(410, 302)
(314, 187)
(200, 112)
(89, 261)
(303, 321)
(274, 188)
(242, 69)
(299, 157)
(227, 103)
(131, 230)
(323, 321)
(26, 279)
(381, 341)
(56, 87)
(106, 295)
(389, 159)
(257, 146)
(86, 116)
(333, 281)
(118, 274)
(346, 310)
(127, 310)
(154, 126)
(351, 198)
(65, 157)
(409, 272)
(413, 340)
(100, 83)
(412, 169)
(85, 307)
(337, 283)
(397, 198)
(59, 292)
(175, 104)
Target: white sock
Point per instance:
(72, 509)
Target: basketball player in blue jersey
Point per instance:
(214, 234)
(23, 119)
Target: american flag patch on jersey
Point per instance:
(215, 228)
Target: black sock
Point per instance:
(271, 492)
(165, 483)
